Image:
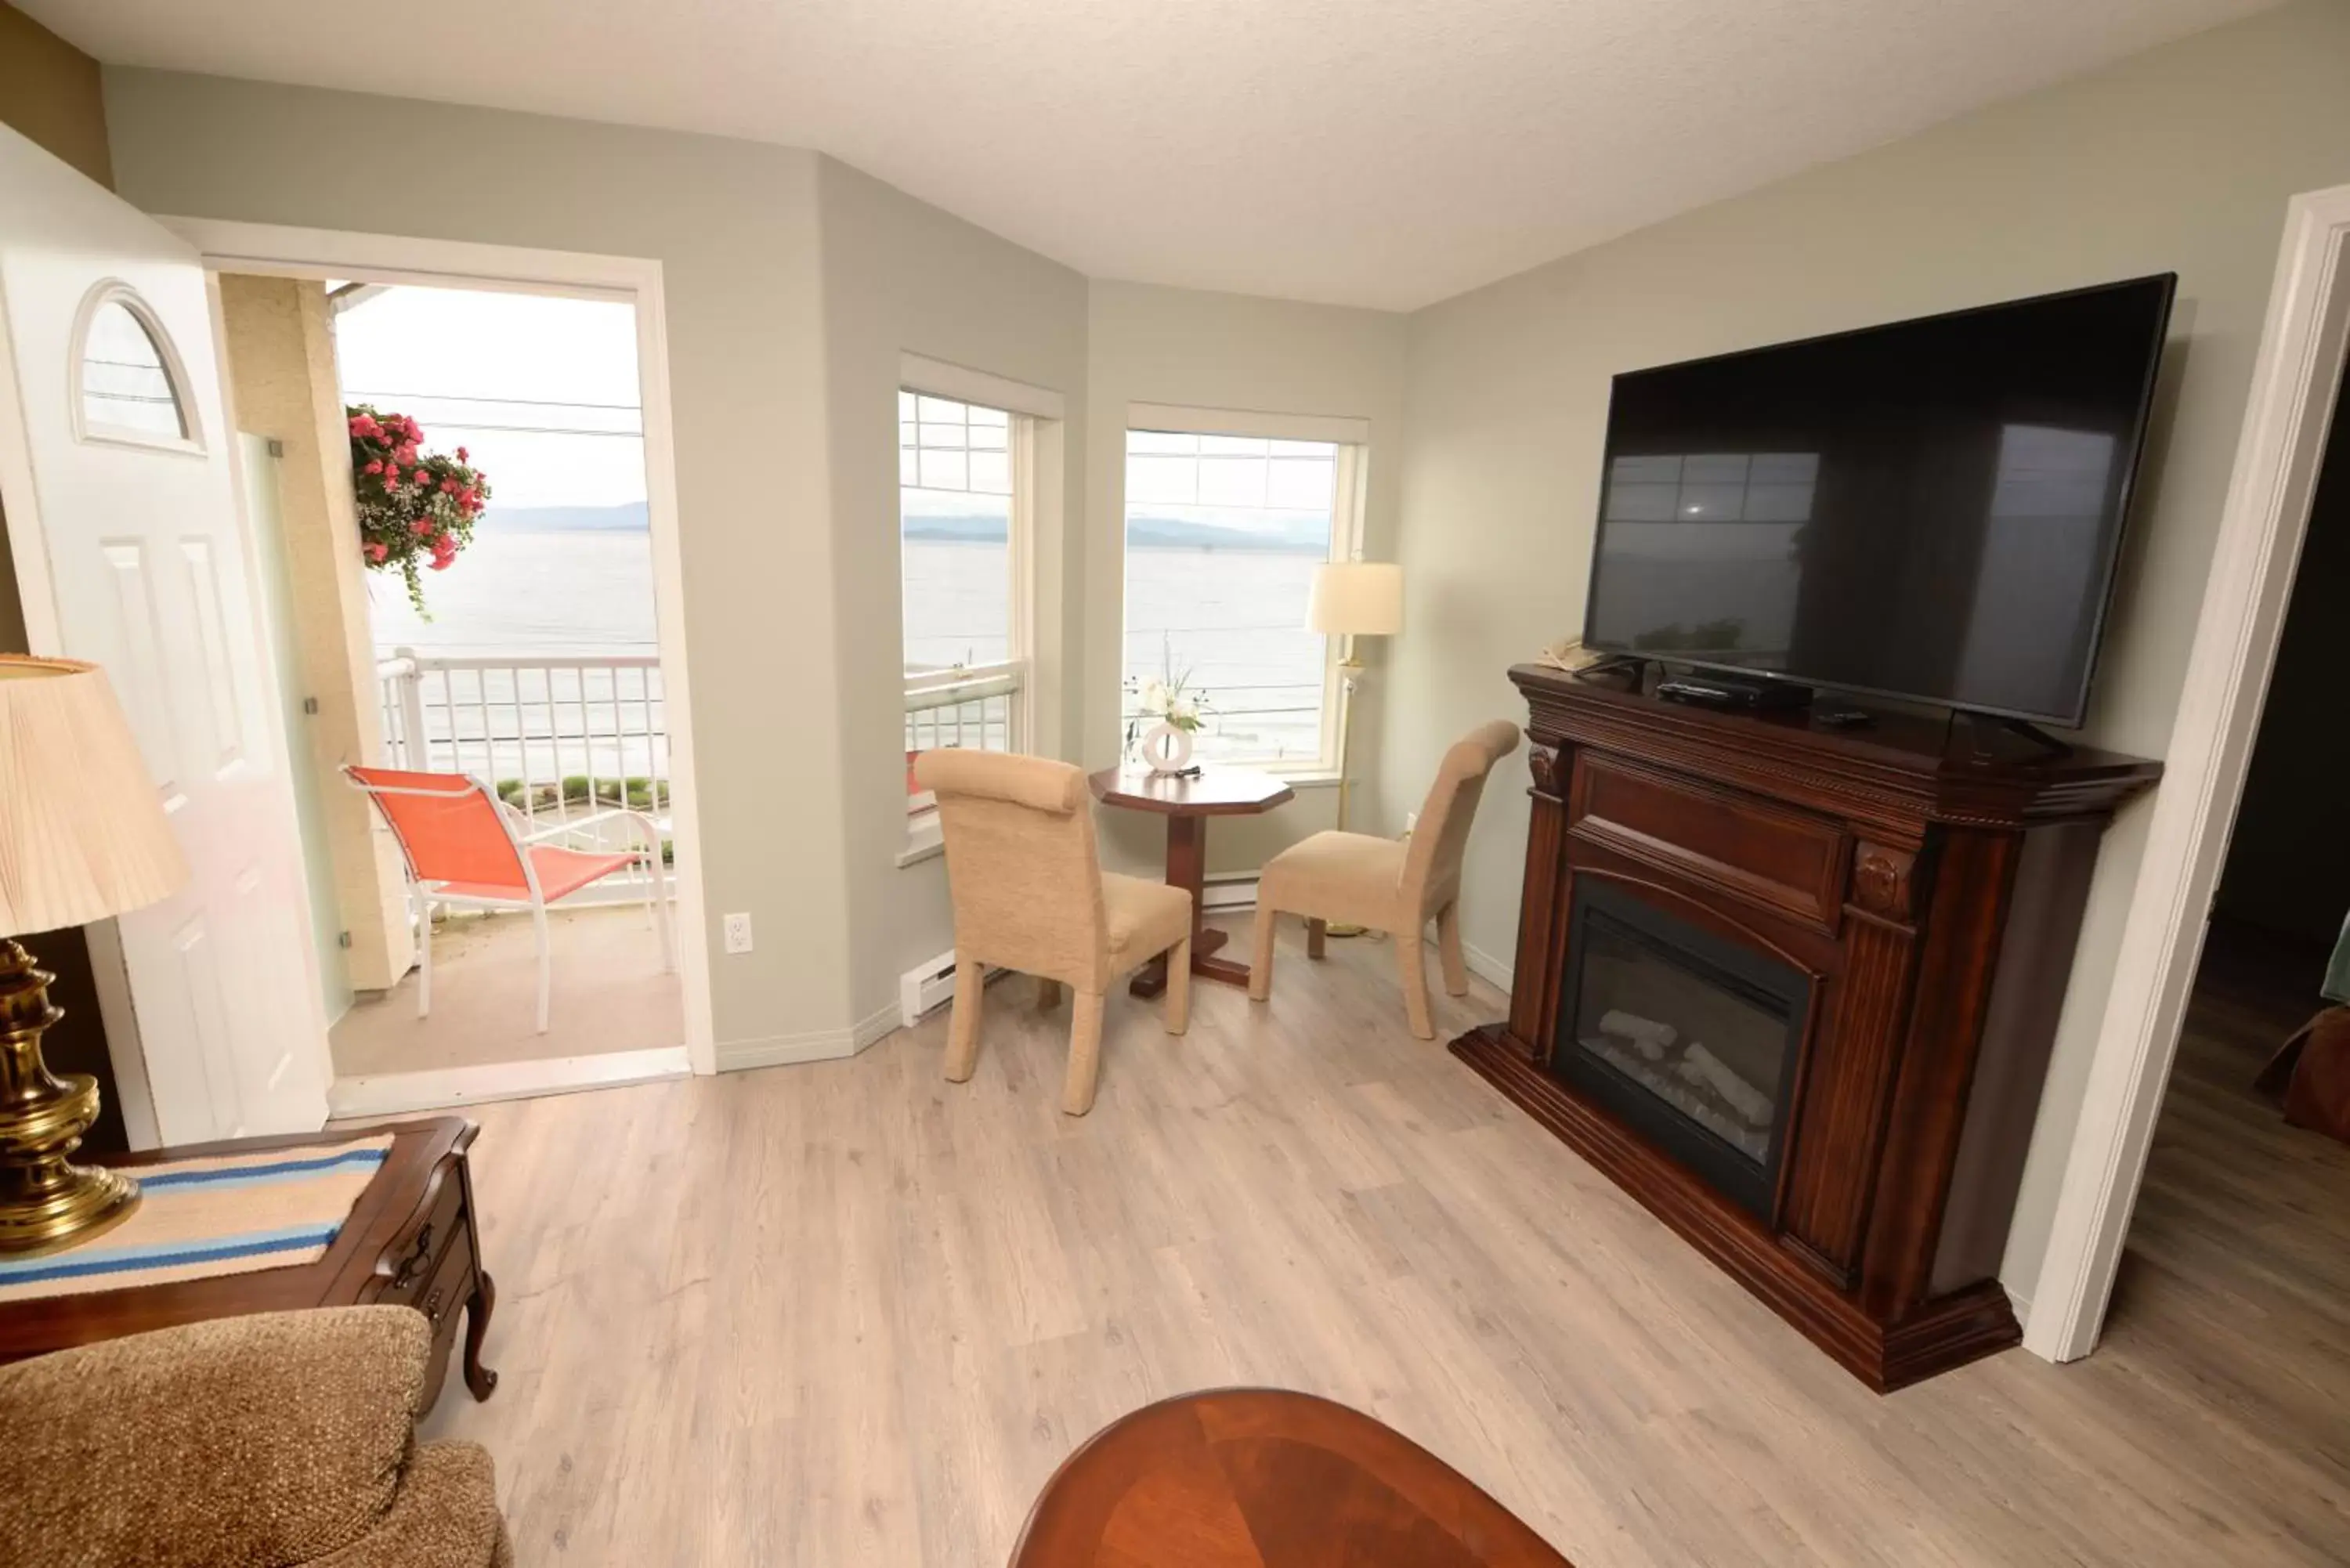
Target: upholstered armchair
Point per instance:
(1387, 885)
(1030, 895)
(260, 1441)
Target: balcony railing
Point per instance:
(977, 706)
(557, 738)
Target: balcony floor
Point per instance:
(609, 994)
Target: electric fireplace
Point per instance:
(1688, 1038)
(1793, 987)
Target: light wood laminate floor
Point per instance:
(852, 1313)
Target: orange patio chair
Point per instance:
(466, 848)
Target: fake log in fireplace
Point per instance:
(1682, 1035)
(1795, 990)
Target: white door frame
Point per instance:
(278, 251)
(2267, 512)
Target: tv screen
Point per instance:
(1927, 510)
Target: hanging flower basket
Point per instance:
(416, 508)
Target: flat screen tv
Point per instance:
(1928, 510)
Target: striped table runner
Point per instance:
(223, 1214)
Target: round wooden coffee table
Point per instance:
(1187, 804)
(1258, 1477)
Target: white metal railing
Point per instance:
(970, 706)
(977, 706)
(556, 737)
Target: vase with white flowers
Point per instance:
(1179, 708)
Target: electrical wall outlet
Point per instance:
(738, 934)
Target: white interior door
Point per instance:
(115, 475)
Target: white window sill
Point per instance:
(923, 840)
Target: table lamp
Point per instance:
(82, 836)
(1351, 599)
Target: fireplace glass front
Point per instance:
(1687, 1036)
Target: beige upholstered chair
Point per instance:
(1030, 895)
(1386, 884)
(276, 1438)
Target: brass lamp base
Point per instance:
(45, 1202)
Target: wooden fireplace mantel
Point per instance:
(1928, 880)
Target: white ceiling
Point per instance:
(1378, 153)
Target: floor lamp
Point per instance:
(1351, 599)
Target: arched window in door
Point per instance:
(127, 382)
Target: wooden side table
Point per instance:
(1187, 804)
(411, 1239)
(1259, 1478)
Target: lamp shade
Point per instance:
(1361, 598)
(82, 836)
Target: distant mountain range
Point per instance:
(627, 517)
(1298, 536)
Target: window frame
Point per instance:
(1349, 495)
(1027, 410)
(115, 291)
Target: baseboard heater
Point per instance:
(924, 987)
(1229, 893)
(930, 986)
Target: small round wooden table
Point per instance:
(1258, 1477)
(1187, 804)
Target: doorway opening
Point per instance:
(464, 484)
(2239, 1205)
(2270, 497)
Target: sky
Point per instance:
(466, 364)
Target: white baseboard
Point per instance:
(876, 1025)
(438, 1088)
(819, 1045)
(1488, 968)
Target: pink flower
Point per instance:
(448, 487)
(364, 425)
(377, 552)
(375, 467)
(423, 526)
(463, 456)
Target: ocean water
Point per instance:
(556, 592)
(1233, 619)
(1234, 622)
